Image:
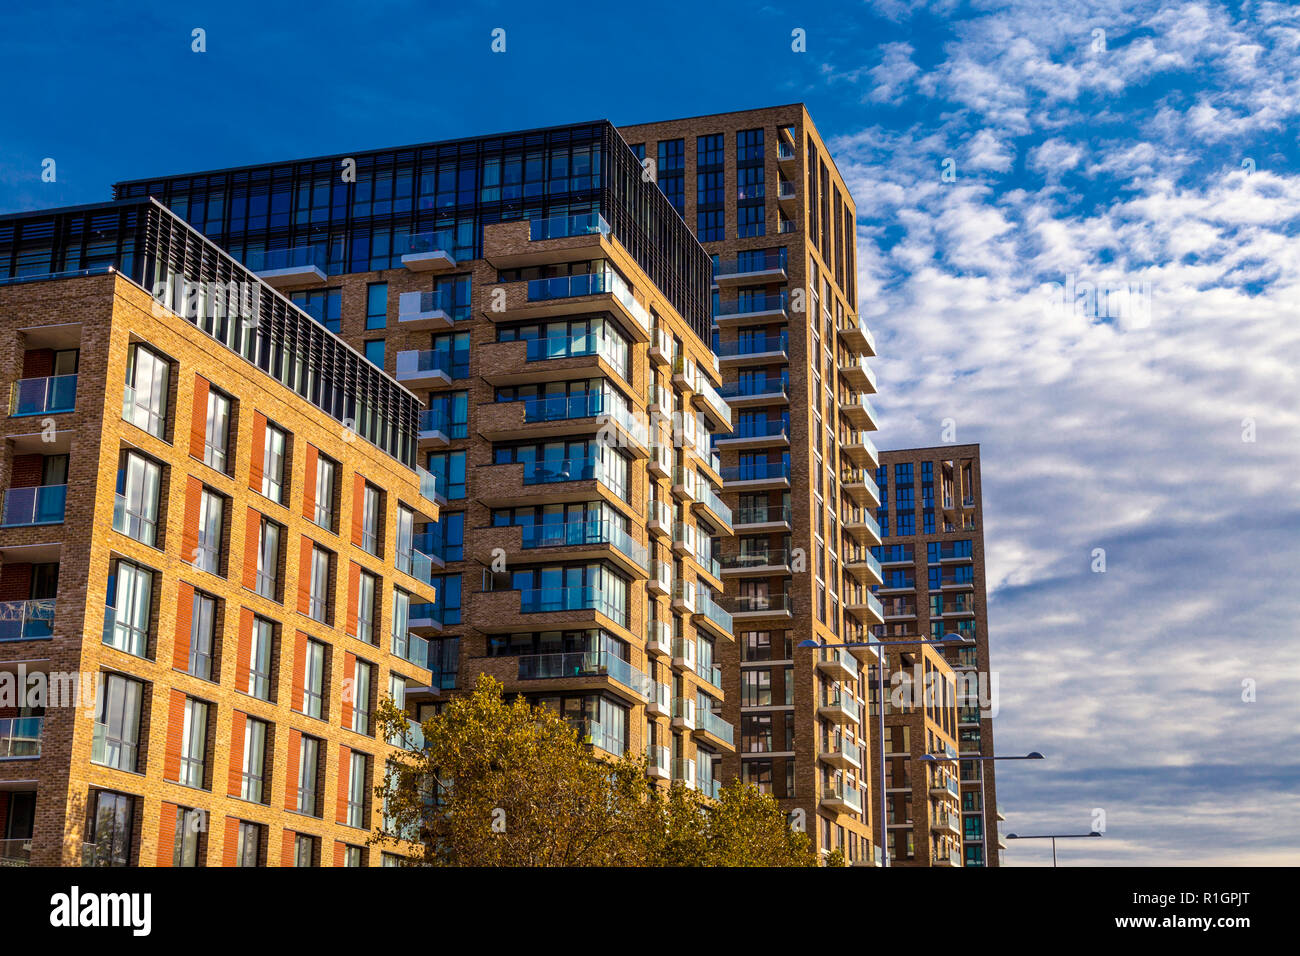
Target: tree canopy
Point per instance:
(491, 782)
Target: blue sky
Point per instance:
(1159, 159)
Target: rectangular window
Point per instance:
(313, 681)
(136, 513)
(212, 510)
(327, 471)
(252, 779)
(268, 560)
(188, 838)
(353, 856)
(216, 439)
(357, 791)
(366, 592)
(449, 468)
(259, 670)
(145, 401)
(304, 850)
(319, 603)
(371, 515)
(110, 827)
(203, 630)
(374, 351)
(273, 463)
(127, 625)
(376, 305)
(194, 742)
(361, 678)
(308, 774)
(248, 851)
(116, 738)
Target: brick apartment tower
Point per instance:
(552, 312)
(762, 194)
(206, 518)
(933, 565)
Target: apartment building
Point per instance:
(932, 560)
(205, 556)
(551, 311)
(761, 192)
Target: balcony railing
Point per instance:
(714, 398)
(751, 386)
(544, 600)
(761, 514)
(590, 531)
(583, 664)
(704, 604)
(590, 283)
(40, 504)
(560, 227)
(20, 737)
(711, 723)
(750, 305)
(757, 471)
(428, 485)
(754, 345)
(576, 346)
(296, 257)
(411, 647)
(421, 243)
(551, 470)
(758, 428)
(413, 362)
(26, 620)
(746, 560)
(758, 603)
(43, 396)
(768, 260)
(709, 498)
(16, 852)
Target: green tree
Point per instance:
(501, 783)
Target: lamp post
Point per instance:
(949, 639)
(1053, 837)
(943, 758)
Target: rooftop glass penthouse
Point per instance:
(366, 211)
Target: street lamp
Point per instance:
(947, 640)
(1053, 837)
(944, 758)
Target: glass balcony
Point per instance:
(20, 737)
(753, 305)
(759, 604)
(755, 345)
(765, 260)
(561, 407)
(750, 429)
(26, 620)
(560, 227)
(16, 852)
(841, 793)
(751, 560)
(591, 283)
(709, 498)
(295, 258)
(591, 531)
(41, 504)
(545, 600)
(428, 485)
(436, 309)
(43, 396)
(761, 514)
(713, 398)
(426, 251)
(411, 647)
(711, 723)
(704, 604)
(757, 471)
(431, 363)
(553, 470)
(752, 386)
(659, 762)
(575, 346)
